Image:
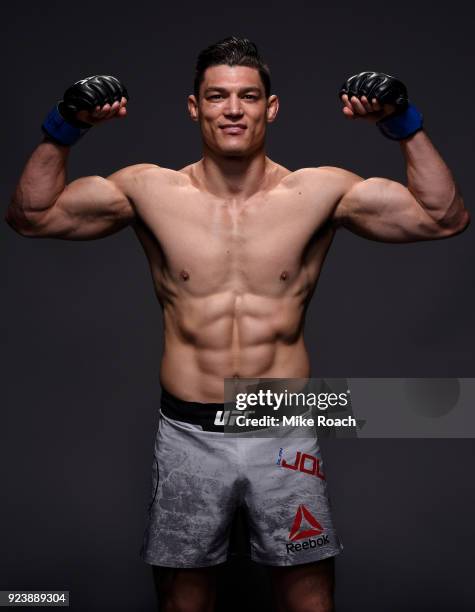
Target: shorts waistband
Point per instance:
(197, 413)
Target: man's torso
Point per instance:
(234, 276)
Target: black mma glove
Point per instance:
(62, 125)
(405, 121)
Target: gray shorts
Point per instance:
(201, 478)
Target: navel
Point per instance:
(284, 276)
(184, 275)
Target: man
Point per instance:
(235, 244)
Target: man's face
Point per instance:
(233, 110)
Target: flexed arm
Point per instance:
(430, 206)
(43, 205)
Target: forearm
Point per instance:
(430, 181)
(42, 181)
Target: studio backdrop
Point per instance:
(82, 332)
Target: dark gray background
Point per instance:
(81, 329)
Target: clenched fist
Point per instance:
(84, 104)
(372, 96)
(94, 99)
(382, 99)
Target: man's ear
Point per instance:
(193, 107)
(272, 108)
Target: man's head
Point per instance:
(231, 99)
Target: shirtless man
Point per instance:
(235, 244)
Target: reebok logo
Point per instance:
(315, 527)
(311, 528)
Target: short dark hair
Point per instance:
(231, 51)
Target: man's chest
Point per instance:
(210, 244)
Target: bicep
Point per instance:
(88, 208)
(384, 210)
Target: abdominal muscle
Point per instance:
(229, 335)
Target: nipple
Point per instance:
(184, 275)
(284, 276)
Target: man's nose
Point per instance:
(233, 106)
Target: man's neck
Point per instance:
(233, 177)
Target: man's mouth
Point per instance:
(233, 128)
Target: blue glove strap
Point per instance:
(56, 126)
(403, 125)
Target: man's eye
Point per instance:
(215, 96)
(250, 97)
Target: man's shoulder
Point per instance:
(324, 185)
(140, 173)
(327, 184)
(322, 175)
